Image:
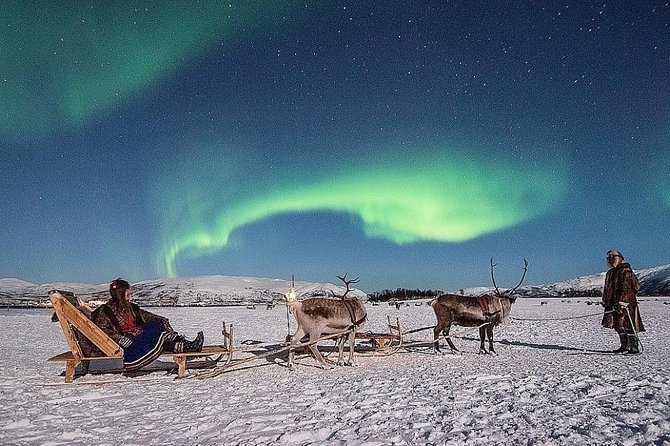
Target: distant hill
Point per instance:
(653, 282)
(235, 290)
(186, 291)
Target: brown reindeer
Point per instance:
(485, 312)
(324, 316)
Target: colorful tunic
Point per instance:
(142, 334)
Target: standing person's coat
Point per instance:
(621, 285)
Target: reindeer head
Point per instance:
(510, 293)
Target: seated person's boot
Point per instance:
(196, 344)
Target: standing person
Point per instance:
(142, 334)
(621, 286)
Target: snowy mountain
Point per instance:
(235, 290)
(653, 282)
(186, 291)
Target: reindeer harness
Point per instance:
(352, 315)
(485, 305)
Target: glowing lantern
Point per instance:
(291, 295)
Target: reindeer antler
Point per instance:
(347, 282)
(493, 278)
(511, 290)
(525, 270)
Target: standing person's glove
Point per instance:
(125, 342)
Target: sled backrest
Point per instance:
(394, 329)
(70, 318)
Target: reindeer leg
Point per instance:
(339, 345)
(489, 332)
(482, 339)
(313, 337)
(300, 332)
(340, 350)
(341, 340)
(436, 339)
(453, 348)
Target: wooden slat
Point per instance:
(68, 314)
(57, 301)
(68, 356)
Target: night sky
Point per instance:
(403, 142)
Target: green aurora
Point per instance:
(664, 190)
(443, 198)
(658, 181)
(65, 64)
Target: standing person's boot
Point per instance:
(633, 345)
(623, 338)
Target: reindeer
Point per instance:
(324, 316)
(485, 312)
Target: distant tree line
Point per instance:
(402, 294)
(582, 293)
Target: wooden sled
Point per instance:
(382, 343)
(368, 343)
(76, 325)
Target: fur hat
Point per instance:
(118, 288)
(614, 253)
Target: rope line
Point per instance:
(562, 318)
(635, 334)
(630, 319)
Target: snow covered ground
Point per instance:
(549, 385)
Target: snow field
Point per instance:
(549, 385)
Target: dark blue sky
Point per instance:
(403, 142)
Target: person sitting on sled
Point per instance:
(142, 334)
(621, 309)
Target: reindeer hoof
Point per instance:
(483, 352)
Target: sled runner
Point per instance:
(76, 325)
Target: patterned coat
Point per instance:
(109, 318)
(621, 285)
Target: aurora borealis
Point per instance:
(443, 199)
(66, 63)
(405, 143)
